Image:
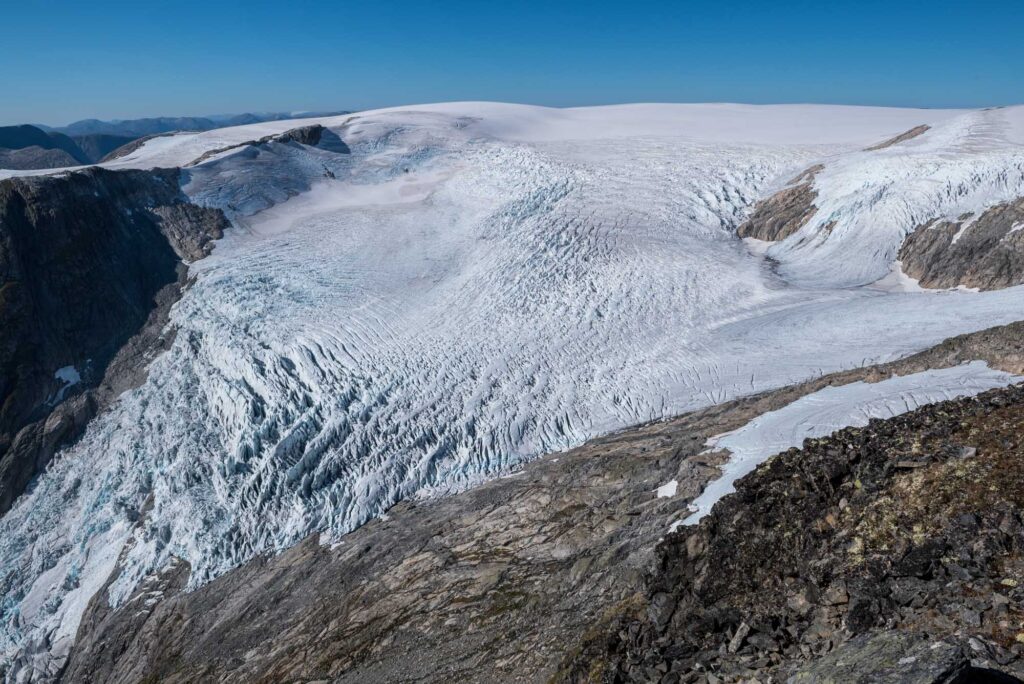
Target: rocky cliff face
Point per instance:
(984, 251)
(533, 577)
(89, 265)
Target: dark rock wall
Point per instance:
(84, 257)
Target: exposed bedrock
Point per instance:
(517, 580)
(902, 137)
(983, 251)
(90, 263)
(785, 212)
(895, 552)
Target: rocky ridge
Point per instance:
(304, 135)
(902, 137)
(868, 542)
(784, 213)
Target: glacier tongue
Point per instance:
(434, 309)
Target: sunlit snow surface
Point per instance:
(461, 297)
(823, 412)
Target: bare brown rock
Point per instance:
(785, 212)
(902, 137)
(838, 566)
(984, 252)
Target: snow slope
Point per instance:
(963, 165)
(821, 413)
(474, 285)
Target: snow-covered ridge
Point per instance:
(876, 198)
(710, 123)
(473, 285)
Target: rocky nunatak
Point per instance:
(90, 263)
(784, 213)
(984, 251)
(892, 553)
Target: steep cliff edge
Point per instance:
(89, 261)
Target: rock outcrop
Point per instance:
(984, 252)
(522, 579)
(312, 135)
(854, 548)
(785, 212)
(902, 137)
(36, 157)
(90, 263)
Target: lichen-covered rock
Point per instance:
(912, 523)
(892, 657)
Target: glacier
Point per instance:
(467, 287)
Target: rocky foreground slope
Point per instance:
(568, 571)
(889, 553)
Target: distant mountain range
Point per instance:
(90, 140)
(166, 124)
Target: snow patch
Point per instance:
(833, 408)
(667, 490)
(70, 377)
(898, 281)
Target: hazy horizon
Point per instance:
(119, 60)
(300, 113)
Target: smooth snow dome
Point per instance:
(473, 286)
(823, 412)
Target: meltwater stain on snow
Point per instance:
(833, 408)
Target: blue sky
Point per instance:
(61, 61)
